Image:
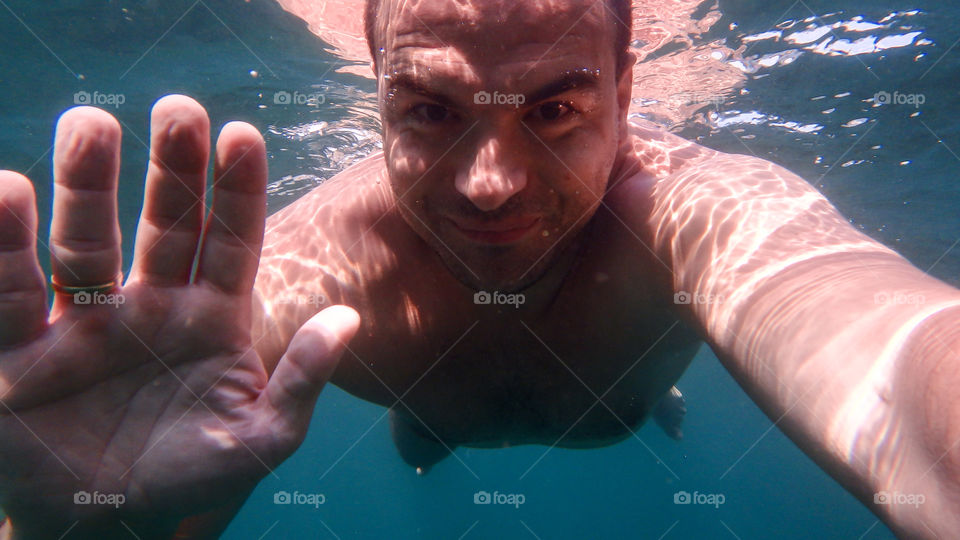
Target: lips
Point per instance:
(503, 231)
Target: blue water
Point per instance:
(893, 174)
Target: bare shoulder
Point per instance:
(722, 225)
(682, 192)
(325, 249)
(358, 194)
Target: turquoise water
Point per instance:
(891, 171)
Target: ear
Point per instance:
(625, 92)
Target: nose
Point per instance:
(495, 175)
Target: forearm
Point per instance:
(929, 375)
(849, 379)
(824, 328)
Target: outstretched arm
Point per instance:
(850, 349)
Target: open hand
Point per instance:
(148, 394)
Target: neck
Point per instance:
(542, 293)
(625, 165)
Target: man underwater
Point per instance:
(509, 172)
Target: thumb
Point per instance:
(311, 357)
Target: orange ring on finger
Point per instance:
(89, 289)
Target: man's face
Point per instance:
(501, 123)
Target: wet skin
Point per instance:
(482, 196)
(486, 375)
(620, 218)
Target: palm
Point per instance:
(162, 399)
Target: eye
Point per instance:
(552, 111)
(431, 113)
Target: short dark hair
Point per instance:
(622, 11)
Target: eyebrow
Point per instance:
(569, 80)
(406, 81)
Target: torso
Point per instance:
(482, 375)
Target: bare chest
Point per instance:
(586, 374)
(575, 387)
(582, 371)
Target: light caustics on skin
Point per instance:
(467, 177)
(775, 276)
(666, 37)
(682, 77)
(222, 437)
(741, 261)
(367, 247)
(370, 248)
(335, 267)
(693, 70)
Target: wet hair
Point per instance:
(623, 19)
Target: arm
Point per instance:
(853, 352)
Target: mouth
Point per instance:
(504, 231)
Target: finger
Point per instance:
(84, 233)
(233, 232)
(23, 291)
(172, 214)
(308, 363)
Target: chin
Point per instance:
(507, 269)
(486, 279)
(500, 270)
(504, 284)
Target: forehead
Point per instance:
(480, 37)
